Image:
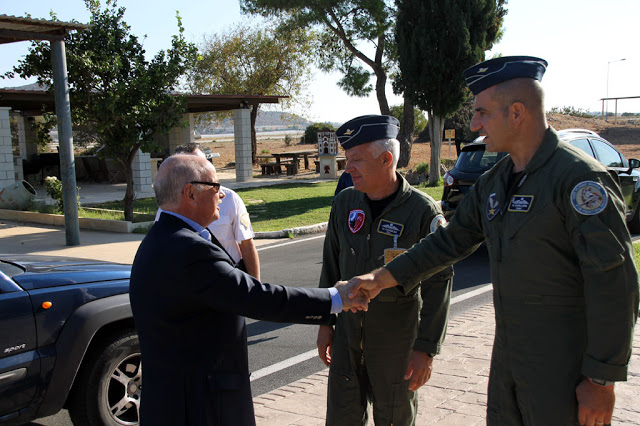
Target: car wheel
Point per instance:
(108, 388)
(634, 223)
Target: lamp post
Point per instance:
(606, 117)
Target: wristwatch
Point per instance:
(601, 382)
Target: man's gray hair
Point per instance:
(174, 173)
(386, 145)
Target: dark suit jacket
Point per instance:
(189, 305)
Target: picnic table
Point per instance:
(289, 159)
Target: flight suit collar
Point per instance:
(549, 144)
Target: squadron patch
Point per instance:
(244, 220)
(389, 228)
(589, 198)
(492, 206)
(521, 203)
(437, 222)
(356, 220)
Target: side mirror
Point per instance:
(634, 163)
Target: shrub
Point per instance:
(569, 110)
(422, 168)
(311, 132)
(53, 186)
(288, 140)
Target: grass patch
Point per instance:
(636, 255)
(276, 207)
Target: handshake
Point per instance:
(358, 291)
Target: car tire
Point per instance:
(108, 387)
(634, 223)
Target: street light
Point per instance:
(606, 117)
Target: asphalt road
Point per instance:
(282, 353)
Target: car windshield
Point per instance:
(478, 160)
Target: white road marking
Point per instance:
(313, 353)
(289, 242)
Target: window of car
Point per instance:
(606, 154)
(584, 145)
(477, 160)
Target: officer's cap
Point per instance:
(489, 73)
(367, 128)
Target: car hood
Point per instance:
(51, 271)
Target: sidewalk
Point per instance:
(455, 395)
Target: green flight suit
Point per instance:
(370, 351)
(565, 284)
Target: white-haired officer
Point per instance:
(383, 356)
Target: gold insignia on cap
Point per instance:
(348, 131)
(483, 69)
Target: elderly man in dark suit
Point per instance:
(189, 304)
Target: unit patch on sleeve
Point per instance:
(521, 203)
(437, 222)
(356, 220)
(389, 228)
(589, 198)
(492, 206)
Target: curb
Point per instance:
(293, 232)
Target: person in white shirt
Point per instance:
(233, 229)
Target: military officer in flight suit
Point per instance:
(565, 284)
(386, 355)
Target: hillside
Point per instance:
(266, 121)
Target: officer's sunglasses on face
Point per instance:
(214, 185)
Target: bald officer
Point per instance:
(565, 284)
(382, 357)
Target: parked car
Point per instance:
(67, 340)
(472, 162)
(475, 160)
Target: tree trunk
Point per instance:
(436, 127)
(254, 140)
(406, 132)
(381, 83)
(129, 194)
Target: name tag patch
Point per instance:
(521, 203)
(389, 228)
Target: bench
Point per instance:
(270, 168)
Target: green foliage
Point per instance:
(288, 140)
(460, 120)
(422, 168)
(569, 110)
(254, 60)
(311, 132)
(347, 30)
(121, 98)
(265, 151)
(438, 40)
(53, 186)
(420, 119)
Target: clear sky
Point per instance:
(583, 41)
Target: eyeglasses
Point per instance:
(214, 185)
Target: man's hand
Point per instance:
(325, 343)
(419, 370)
(595, 403)
(372, 283)
(357, 302)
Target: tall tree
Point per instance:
(255, 61)
(436, 41)
(346, 28)
(123, 98)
